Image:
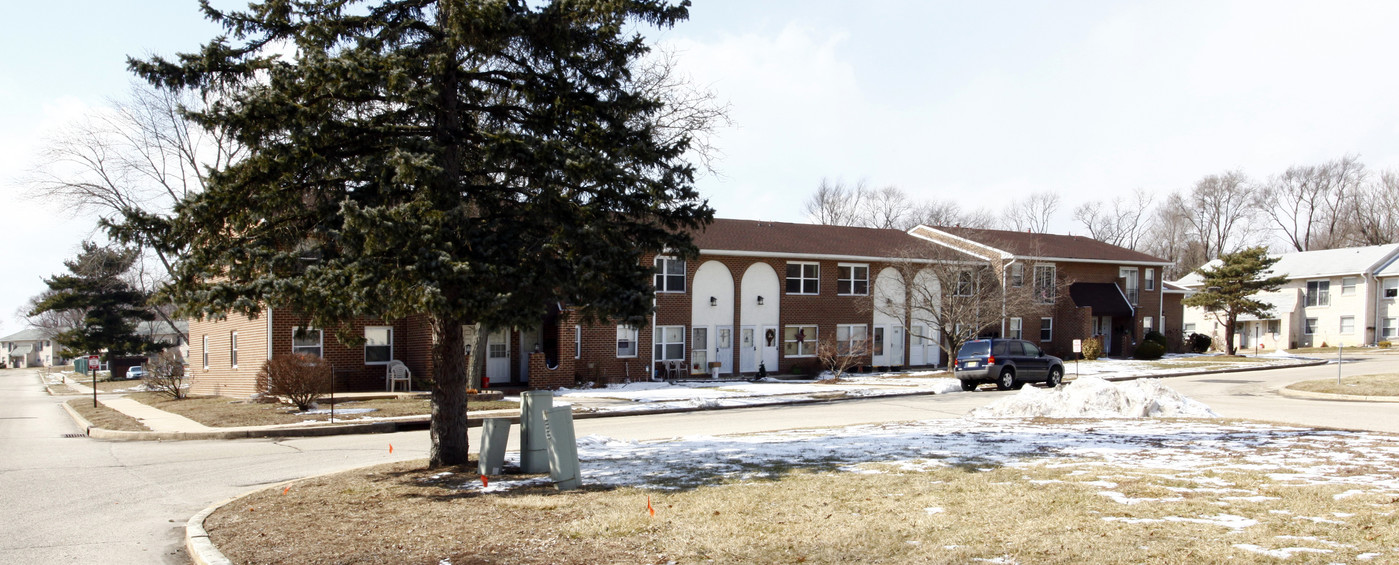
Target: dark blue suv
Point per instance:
(1010, 363)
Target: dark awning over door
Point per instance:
(1104, 298)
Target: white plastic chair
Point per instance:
(397, 371)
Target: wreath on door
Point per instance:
(771, 336)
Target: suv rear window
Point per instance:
(974, 349)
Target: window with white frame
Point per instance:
(1129, 280)
(1188, 328)
(1017, 275)
(853, 279)
(306, 340)
(627, 340)
(1390, 328)
(669, 343)
(206, 352)
(1274, 327)
(966, 283)
(1347, 325)
(670, 274)
(577, 342)
(1016, 329)
(1044, 284)
(1046, 329)
(799, 341)
(378, 345)
(1318, 293)
(233, 349)
(1309, 327)
(1348, 286)
(1149, 276)
(852, 337)
(1390, 288)
(1148, 324)
(803, 278)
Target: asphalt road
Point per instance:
(77, 500)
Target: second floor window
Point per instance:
(670, 275)
(1129, 285)
(1017, 275)
(1044, 284)
(803, 278)
(854, 280)
(966, 284)
(1318, 293)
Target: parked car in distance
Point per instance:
(1010, 363)
(136, 372)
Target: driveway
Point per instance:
(77, 500)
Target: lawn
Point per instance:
(220, 411)
(106, 418)
(1001, 491)
(1365, 385)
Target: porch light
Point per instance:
(713, 301)
(760, 301)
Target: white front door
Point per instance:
(723, 349)
(896, 346)
(879, 349)
(699, 351)
(498, 357)
(769, 339)
(747, 350)
(916, 351)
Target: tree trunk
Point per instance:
(1229, 336)
(479, 354)
(448, 427)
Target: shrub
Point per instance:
(1157, 337)
(1200, 343)
(1092, 348)
(301, 378)
(1384, 344)
(165, 373)
(839, 357)
(1149, 350)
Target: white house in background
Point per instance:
(1333, 297)
(28, 348)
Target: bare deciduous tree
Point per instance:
(840, 355)
(1032, 213)
(889, 208)
(1308, 205)
(1123, 224)
(837, 204)
(1375, 211)
(689, 109)
(1219, 211)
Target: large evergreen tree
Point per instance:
(108, 307)
(468, 160)
(1229, 287)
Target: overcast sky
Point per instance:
(976, 101)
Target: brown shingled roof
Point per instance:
(1026, 244)
(781, 237)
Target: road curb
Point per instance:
(1217, 371)
(1309, 395)
(78, 418)
(200, 548)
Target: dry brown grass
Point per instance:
(113, 386)
(403, 513)
(106, 418)
(221, 411)
(1364, 385)
(61, 389)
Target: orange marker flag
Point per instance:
(390, 448)
(485, 483)
(648, 505)
(284, 491)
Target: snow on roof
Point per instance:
(1323, 263)
(1284, 302)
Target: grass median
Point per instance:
(220, 411)
(1056, 512)
(106, 418)
(1364, 385)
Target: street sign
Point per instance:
(1078, 346)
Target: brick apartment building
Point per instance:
(759, 294)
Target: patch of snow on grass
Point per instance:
(340, 411)
(1092, 397)
(1284, 553)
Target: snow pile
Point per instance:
(1093, 397)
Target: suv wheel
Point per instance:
(1007, 379)
(969, 386)
(1056, 376)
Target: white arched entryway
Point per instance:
(759, 335)
(887, 335)
(712, 320)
